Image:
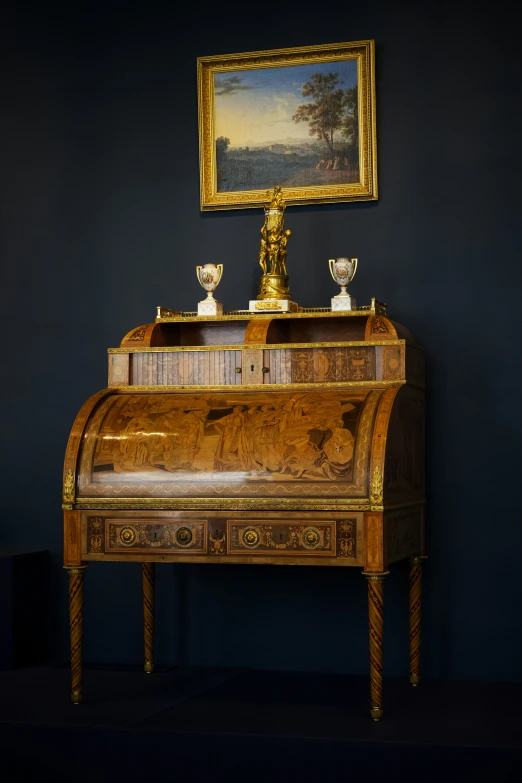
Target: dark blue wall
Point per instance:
(101, 223)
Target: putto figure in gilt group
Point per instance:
(274, 292)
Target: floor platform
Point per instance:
(195, 724)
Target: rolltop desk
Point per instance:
(293, 439)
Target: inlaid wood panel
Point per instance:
(375, 557)
(393, 362)
(144, 535)
(186, 368)
(71, 538)
(221, 534)
(281, 536)
(119, 369)
(254, 366)
(320, 365)
(237, 443)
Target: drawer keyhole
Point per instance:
(252, 367)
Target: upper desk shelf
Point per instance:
(309, 347)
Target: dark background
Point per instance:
(101, 223)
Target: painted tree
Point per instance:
(325, 114)
(221, 147)
(350, 125)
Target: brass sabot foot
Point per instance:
(376, 713)
(148, 667)
(76, 697)
(414, 680)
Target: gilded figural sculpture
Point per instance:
(273, 251)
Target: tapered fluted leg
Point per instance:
(375, 616)
(415, 605)
(76, 574)
(148, 615)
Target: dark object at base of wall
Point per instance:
(24, 608)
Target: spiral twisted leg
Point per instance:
(148, 615)
(76, 575)
(415, 605)
(375, 615)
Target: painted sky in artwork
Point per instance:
(255, 108)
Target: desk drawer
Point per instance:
(281, 537)
(225, 536)
(147, 535)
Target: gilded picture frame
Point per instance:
(302, 118)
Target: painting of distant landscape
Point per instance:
(294, 125)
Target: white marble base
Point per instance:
(341, 302)
(210, 307)
(272, 306)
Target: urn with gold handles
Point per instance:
(209, 276)
(343, 271)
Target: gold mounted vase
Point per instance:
(343, 271)
(209, 276)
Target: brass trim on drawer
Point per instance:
(155, 535)
(303, 537)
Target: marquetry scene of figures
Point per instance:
(289, 438)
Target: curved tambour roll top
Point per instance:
(331, 446)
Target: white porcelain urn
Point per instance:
(343, 271)
(209, 276)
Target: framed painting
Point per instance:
(301, 118)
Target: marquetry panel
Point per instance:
(119, 369)
(257, 331)
(330, 365)
(379, 328)
(140, 336)
(186, 368)
(281, 537)
(137, 535)
(393, 362)
(73, 447)
(332, 537)
(348, 543)
(230, 444)
(252, 366)
(374, 543)
(72, 554)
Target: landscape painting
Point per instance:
(295, 127)
(301, 119)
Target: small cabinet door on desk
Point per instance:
(253, 368)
